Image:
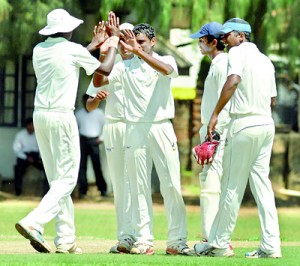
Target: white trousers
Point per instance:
(58, 140)
(249, 152)
(210, 181)
(114, 134)
(146, 143)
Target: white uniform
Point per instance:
(25, 142)
(114, 134)
(56, 63)
(211, 175)
(250, 140)
(150, 137)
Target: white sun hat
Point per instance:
(126, 26)
(59, 20)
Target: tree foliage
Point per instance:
(274, 22)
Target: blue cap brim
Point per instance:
(196, 35)
(225, 31)
(231, 26)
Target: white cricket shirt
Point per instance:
(147, 93)
(257, 86)
(213, 85)
(56, 63)
(114, 106)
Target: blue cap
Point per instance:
(236, 24)
(212, 28)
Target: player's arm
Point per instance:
(158, 65)
(100, 80)
(99, 36)
(132, 45)
(93, 102)
(226, 94)
(273, 102)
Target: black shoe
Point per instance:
(104, 194)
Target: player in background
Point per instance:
(251, 87)
(210, 178)
(90, 126)
(114, 134)
(57, 62)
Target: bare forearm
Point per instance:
(161, 67)
(92, 103)
(108, 63)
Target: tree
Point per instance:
(274, 22)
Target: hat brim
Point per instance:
(196, 35)
(225, 31)
(68, 26)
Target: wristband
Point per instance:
(113, 41)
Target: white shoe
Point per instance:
(125, 245)
(114, 249)
(257, 254)
(142, 248)
(180, 249)
(204, 249)
(68, 249)
(221, 252)
(35, 237)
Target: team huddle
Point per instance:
(236, 106)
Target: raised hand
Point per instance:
(99, 36)
(112, 25)
(128, 41)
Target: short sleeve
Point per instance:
(235, 66)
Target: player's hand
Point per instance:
(101, 95)
(128, 41)
(211, 126)
(99, 35)
(112, 25)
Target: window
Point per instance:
(17, 88)
(9, 94)
(28, 88)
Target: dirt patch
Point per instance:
(89, 246)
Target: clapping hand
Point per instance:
(99, 36)
(112, 25)
(128, 41)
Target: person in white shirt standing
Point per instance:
(114, 135)
(57, 63)
(211, 175)
(90, 125)
(27, 152)
(150, 137)
(252, 89)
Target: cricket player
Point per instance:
(149, 138)
(251, 87)
(210, 178)
(56, 63)
(114, 135)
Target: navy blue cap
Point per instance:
(212, 28)
(236, 24)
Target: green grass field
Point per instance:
(96, 232)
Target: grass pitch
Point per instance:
(96, 233)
